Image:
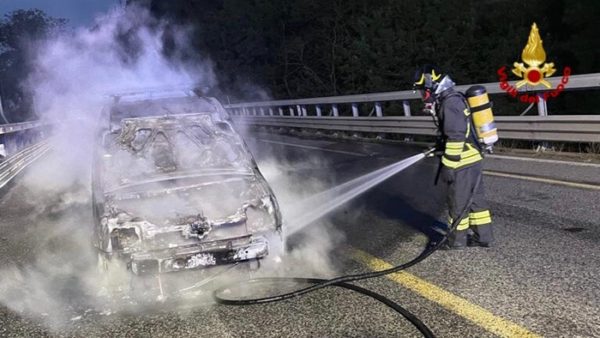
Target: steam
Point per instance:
(309, 250)
(75, 75)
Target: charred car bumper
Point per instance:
(200, 255)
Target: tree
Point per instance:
(19, 32)
(304, 48)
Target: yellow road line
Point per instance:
(456, 304)
(543, 180)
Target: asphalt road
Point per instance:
(540, 278)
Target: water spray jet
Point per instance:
(321, 204)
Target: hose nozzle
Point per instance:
(430, 152)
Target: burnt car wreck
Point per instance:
(175, 188)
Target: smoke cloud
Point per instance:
(75, 75)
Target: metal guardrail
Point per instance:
(308, 113)
(584, 81)
(13, 165)
(548, 128)
(17, 136)
(14, 127)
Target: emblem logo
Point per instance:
(534, 56)
(533, 71)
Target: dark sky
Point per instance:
(78, 12)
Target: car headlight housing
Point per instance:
(259, 219)
(123, 238)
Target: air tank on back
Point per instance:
(483, 118)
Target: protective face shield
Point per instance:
(444, 85)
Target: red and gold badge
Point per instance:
(534, 56)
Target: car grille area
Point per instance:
(199, 256)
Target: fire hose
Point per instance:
(344, 281)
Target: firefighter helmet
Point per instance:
(427, 80)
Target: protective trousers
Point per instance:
(477, 216)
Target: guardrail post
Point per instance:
(280, 111)
(2, 112)
(318, 110)
(406, 106)
(355, 109)
(262, 112)
(303, 109)
(2, 147)
(541, 105)
(10, 144)
(291, 111)
(271, 111)
(334, 110)
(542, 111)
(378, 110)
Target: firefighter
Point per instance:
(461, 161)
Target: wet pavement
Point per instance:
(541, 276)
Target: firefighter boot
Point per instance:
(457, 240)
(483, 236)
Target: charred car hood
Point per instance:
(164, 203)
(172, 213)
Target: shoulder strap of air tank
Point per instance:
(471, 124)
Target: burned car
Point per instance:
(175, 188)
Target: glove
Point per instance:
(448, 175)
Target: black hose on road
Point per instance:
(343, 281)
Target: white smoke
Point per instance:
(75, 75)
(292, 182)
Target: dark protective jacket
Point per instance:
(455, 124)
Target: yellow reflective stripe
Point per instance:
(455, 144)
(470, 151)
(466, 156)
(454, 148)
(464, 224)
(468, 128)
(481, 221)
(479, 214)
(449, 163)
(466, 219)
(463, 162)
(453, 152)
(469, 160)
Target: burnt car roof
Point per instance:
(174, 146)
(165, 122)
(172, 106)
